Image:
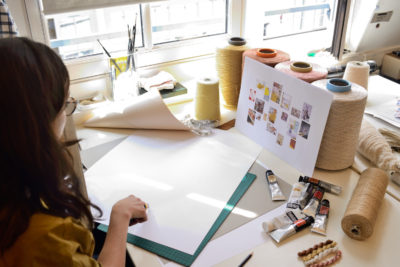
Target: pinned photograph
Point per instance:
(258, 117)
(295, 112)
(279, 139)
(293, 128)
(306, 112)
(292, 143)
(284, 116)
(272, 114)
(265, 116)
(259, 105)
(276, 92)
(304, 129)
(271, 128)
(286, 100)
(266, 93)
(251, 116)
(260, 85)
(252, 95)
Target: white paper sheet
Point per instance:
(235, 242)
(147, 111)
(285, 115)
(183, 177)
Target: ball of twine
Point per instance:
(357, 72)
(340, 139)
(229, 68)
(317, 73)
(207, 99)
(361, 213)
(270, 61)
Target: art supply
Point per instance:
(308, 251)
(318, 252)
(229, 68)
(357, 72)
(373, 146)
(308, 72)
(339, 142)
(108, 54)
(363, 209)
(283, 233)
(282, 220)
(133, 221)
(307, 195)
(207, 99)
(295, 196)
(330, 188)
(321, 218)
(275, 190)
(243, 263)
(267, 56)
(312, 206)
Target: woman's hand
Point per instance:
(130, 209)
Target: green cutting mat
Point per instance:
(182, 257)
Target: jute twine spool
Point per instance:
(267, 56)
(357, 72)
(302, 70)
(229, 68)
(340, 139)
(207, 99)
(361, 213)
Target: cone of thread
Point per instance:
(229, 68)
(340, 138)
(363, 209)
(357, 72)
(207, 99)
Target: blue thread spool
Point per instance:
(338, 85)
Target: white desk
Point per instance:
(378, 250)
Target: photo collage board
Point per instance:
(285, 115)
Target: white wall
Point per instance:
(20, 17)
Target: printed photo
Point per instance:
(293, 127)
(292, 143)
(271, 128)
(252, 95)
(286, 100)
(306, 113)
(304, 129)
(265, 116)
(259, 105)
(279, 139)
(251, 116)
(295, 112)
(272, 114)
(284, 116)
(276, 92)
(258, 117)
(266, 93)
(260, 85)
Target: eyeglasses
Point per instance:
(70, 106)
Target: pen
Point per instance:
(132, 221)
(246, 260)
(108, 54)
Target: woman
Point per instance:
(41, 207)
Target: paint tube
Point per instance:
(312, 206)
(275, 190)
(321, 219)
(307, 195)
(282, 220)
(330, 188)
(282, 233)
(295, 196)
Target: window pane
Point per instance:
(184, 19)
(75, 34)
(296, 16)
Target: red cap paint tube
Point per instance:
(312, 206)
(283, 233)
(330, 188)
(321, 218)
(274, 189)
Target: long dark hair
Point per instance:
(36, 172)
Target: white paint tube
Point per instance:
(312, 206)
(321, 218)
(295, 196)
(275, 190)
(283, 233)
(282, 220)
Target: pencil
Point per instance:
(246, 260)
(108, 54)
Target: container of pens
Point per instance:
(124, 78)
